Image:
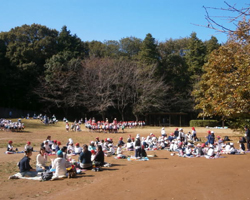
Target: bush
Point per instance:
(203, 123)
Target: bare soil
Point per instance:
(162, 177)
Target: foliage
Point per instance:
(203, 123)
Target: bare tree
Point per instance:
(233, 15)
(99, 78)
(148, 91)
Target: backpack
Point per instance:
(46, 175)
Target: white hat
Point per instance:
(189, 144)
(138, 136)
(180, 129)
(110, 145)
(151, 134)
(92, 142)
(211, 146)
(231, 144)
(212, 131)
(162, 128)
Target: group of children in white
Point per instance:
(8, 125)
(111, 127)
(92, 156)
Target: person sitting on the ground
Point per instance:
(58, 146)
(210, 152)
(28, 146)
(143, 152)
(92, 146)
(85, 158)
(10, 148)
(70, 148)
(163, 132)
(77, 149)
(188, 150)
(121, 141)
(64, 150)
(241, 142)
(198, 151)
(93, 154)
(130, 145)
(48, 150)
(119, 152)
(99, 158)
(111, 150)
(24, 165)
(54, 144)
(232, 150)
(59, 165)
(41, 160)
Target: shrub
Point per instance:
(203, 123)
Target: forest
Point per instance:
(51, 71)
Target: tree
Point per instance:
(237, 17)
(195, 57)
(71, 43)
(99, 78)
(224, 88)
(130, 47)
(62, 86)
(148, 91)
(149, 53)
(26, 50)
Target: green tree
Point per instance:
(71, 43)
(195, 57)
(130, 47)
(149, 53)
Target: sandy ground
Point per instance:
(162, 177)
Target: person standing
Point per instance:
(247, 134)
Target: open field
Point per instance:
(162, 177)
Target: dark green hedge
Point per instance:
(203, 123)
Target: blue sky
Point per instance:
(114, 19)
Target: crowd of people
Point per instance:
(92, 155)
(111, 127)
(9, 125)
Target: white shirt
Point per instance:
(60, 165)
(119, 151)
(210, 152)
(41, 160)
(78, 149)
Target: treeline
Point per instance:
(47, 70)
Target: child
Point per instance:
(93, 153)
(111, 150)
(58, 146)
(143, 152)
(28, 146)
(210, 152)
(78, 149)
(119, 152)
(70, 148)
(92, 146)
(54, 144)
(242, 145)
(10, 148)
(188, 150)
(47, 147)
(67, 126)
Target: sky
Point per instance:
(115, 19)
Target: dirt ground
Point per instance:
(162, 177)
